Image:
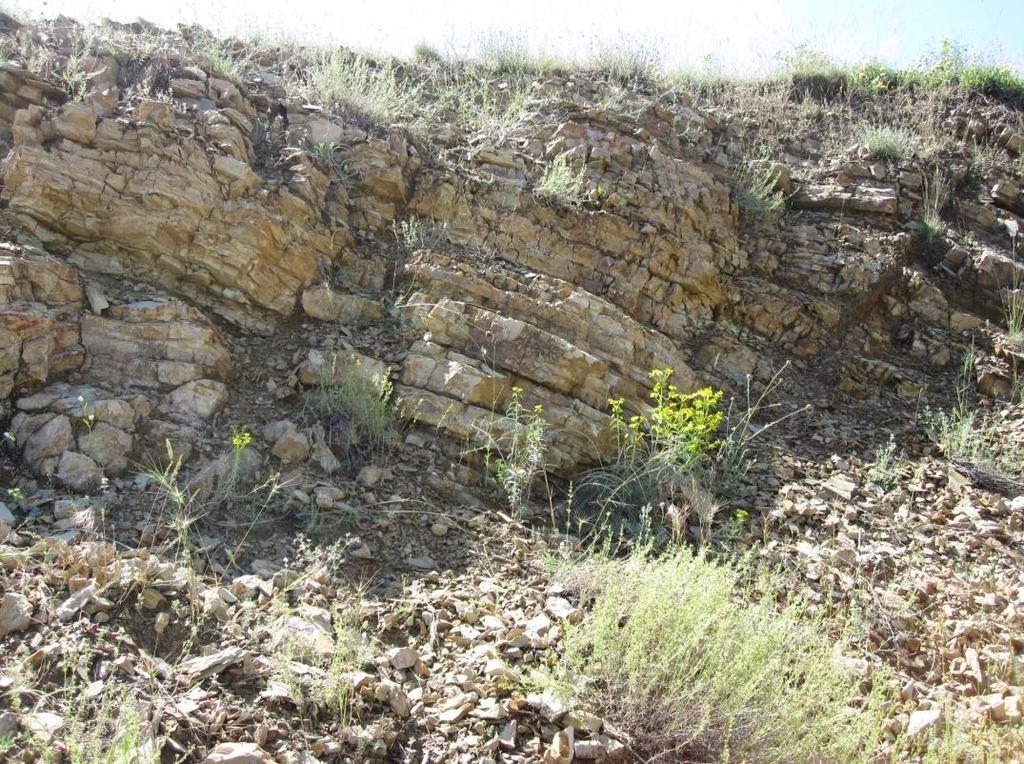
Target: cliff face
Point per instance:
(188, 254)
(221, 194)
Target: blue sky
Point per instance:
(737, 36)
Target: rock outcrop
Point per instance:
(150, 195)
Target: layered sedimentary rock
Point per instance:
(574, 300)
(574, 305)
(172, 201)
(143, 372)
(40, 306)
(20, 88)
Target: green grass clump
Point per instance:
(113, 735)
(561, 183)
(675, 656)
(339, 80)
(757, 193)
(933, 200)
(505, 55)
(1013, 305)
(519, 451)
(967, 434)
(887, 141)
(427, 54)
(360, 411)
(473, 102)
(953, 65)
(675, 459)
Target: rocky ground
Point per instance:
(206, 557)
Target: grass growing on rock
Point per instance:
(561, 183)
(887, 142)
(758, 194)
(678, 659)
(340, 80)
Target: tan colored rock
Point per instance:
(322, 130)
(199, 399)
(37, 345)
(291, 447)
(147, 203)
(334, 368)
(324, 303)
(925, 721)
(852, 198)
(561, 750)
(108, 446)
(20, 88)
(563, 345)
(38, 278)
(78, 472)
(238, 753)
(187, 88)
(1008, 194)
(155, 344)
(45, 445)
(42, 725)
(40, 300)
(76, 122)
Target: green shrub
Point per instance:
(804, 64)
(502, 54)
(660, 458)
(965, 433)
(111, 734)
(887, 141)
(689, 669)
(671, 463)
(885, 469)
(873, 77)
(469, 101)
(426, 54)
(954, 66)
(683, 424)
(560, 183)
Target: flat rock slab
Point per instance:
(854, 198)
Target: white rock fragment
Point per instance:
(15, 613)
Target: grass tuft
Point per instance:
(887, 141)
(427, 54)
(690, 670)
(342, 81)
(360, 411)
(758, 194)
(633, 63)
(561, 183)
(934, 198)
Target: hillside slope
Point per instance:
(270, 318)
